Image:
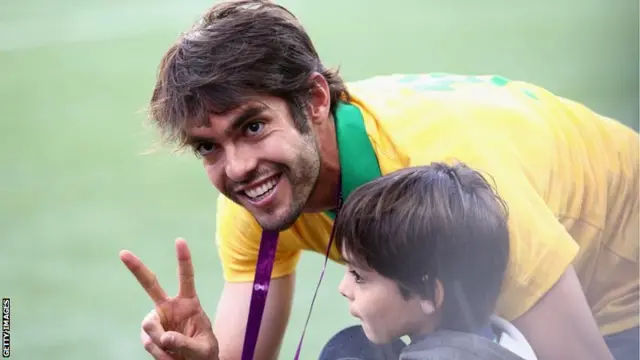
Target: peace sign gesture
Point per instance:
(178, 328)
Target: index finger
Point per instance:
(145, 277)
(185, 270)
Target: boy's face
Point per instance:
(383, 312)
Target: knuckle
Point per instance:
(169, 340)
(153, 281)
(146, 328)
(148, 344)
(147, 325)
(144, 337)
(148, 321)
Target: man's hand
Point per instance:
(178, 328)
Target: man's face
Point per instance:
(257, 157)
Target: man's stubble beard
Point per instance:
(310, 172)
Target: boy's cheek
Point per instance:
(353, 310)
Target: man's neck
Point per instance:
(324, 196)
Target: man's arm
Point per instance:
(561, 326)
(238, 243)
(541, 292)
(232, 312)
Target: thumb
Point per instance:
(175, 341)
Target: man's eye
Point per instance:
(205, 148)
(254, 128)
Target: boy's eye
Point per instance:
(254, 128)
(356, 276)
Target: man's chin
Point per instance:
(268, 218)
(269, 222)
(276, 223)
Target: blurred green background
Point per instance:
(75, 187)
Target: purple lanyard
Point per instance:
(261, 281)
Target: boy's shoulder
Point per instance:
(446, 344)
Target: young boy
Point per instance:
(426, 251)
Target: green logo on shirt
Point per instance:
(446, 82)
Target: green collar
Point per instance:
(358, 162)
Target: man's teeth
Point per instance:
(262, 189)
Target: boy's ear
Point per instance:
(439, 294)
(429, 306)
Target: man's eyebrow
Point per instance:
(192, 140)
(247, 114)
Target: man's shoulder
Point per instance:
(435, 92)
(426, 112)
(423, 111)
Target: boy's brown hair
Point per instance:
(432, 222)
(238, 51)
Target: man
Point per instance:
(280, 137)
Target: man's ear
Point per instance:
(319, 100)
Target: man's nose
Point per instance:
(239, 164)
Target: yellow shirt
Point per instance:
(568, 175)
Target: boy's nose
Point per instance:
(344, 290)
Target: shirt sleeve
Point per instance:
(541, 249)
(238, 242)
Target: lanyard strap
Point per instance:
(261, 281)
(324, 267)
